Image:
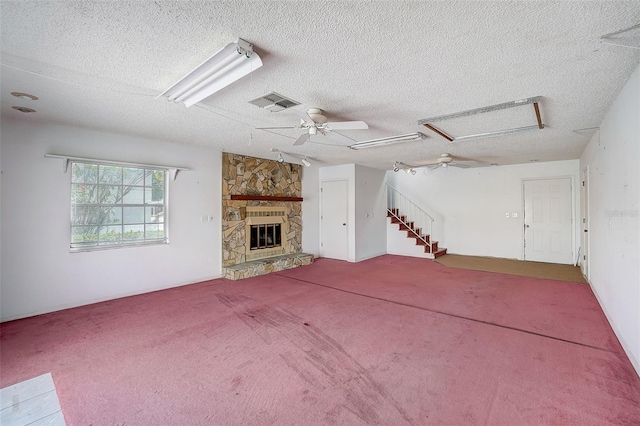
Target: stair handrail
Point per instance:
(410, 215)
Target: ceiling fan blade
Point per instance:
(433, 166)
(338, 137)
(461, 165)
(347, 125)
(303, 115)
(425, 164)
(302, 139)
(278, 127)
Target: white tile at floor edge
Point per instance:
(26, 390)
(27, 412)
(32, 402)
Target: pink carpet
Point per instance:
(392, 341)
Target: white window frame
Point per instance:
(102, 245)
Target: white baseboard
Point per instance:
(360, 259)
(420, 255)
(99, 300)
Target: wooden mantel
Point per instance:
(264, 198)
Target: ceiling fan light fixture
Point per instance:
(226, 66)
(387, 141)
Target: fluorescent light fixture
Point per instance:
(609, 38)
(388, 141)
(534, 100)
(226, 66)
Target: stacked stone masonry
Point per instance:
(243, 175)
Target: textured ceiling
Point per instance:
(101, 65)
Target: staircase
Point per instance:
(414, 221)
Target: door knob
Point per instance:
(526, 226)
(344, 224)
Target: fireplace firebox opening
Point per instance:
(265, 232)
(265, 236)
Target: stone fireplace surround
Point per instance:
(259, 182)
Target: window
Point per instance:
(116, 205)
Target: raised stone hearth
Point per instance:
(255, 268)
(260, 192)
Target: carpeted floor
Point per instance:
(392, 340)
(551, 271)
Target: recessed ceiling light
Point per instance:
(23, 109)
(25, 96)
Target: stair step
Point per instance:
(440, 252)
(406, 227)
(419, 242)
(432, 249)
(395, 216)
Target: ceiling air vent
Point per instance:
(274, 102)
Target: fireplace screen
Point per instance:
(266, 236)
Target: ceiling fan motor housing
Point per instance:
(316, 115)
(445, 159)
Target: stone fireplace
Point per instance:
(261, 216)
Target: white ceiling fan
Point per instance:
(447, 160)
(315, 123)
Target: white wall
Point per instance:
(613, 158)
(311, 210)
(39, 274)
(470, 205)
(370, 214)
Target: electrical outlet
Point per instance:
(515, 214)
(507, 214)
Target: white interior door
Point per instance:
(335, 242)
(585, 223)
(548, 220)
